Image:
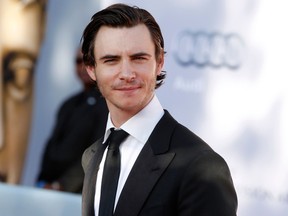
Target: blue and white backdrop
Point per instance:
(226, 65)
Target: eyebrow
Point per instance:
(118, 57)
(140, 54)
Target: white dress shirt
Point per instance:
(139, 128)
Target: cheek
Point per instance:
(102, 88)
(102, 82)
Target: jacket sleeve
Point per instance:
(207, 188)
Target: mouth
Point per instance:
(128, 89)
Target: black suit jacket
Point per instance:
(176, 173)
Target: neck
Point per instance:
(119, 117)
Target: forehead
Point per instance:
(109, 39)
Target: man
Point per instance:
(165, 168)
(80, 121)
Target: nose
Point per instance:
(126, 71)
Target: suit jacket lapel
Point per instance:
(149, 166)
(91, 161)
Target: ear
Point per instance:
(91, 72)
(160, 64)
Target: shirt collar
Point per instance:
(141, 125)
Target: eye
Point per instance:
(110, 60)
(140, 58)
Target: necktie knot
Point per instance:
(116, 137)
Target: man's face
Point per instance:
(126, 67)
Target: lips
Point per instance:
(128, 91)
(128, 88)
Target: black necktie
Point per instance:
(111, 173)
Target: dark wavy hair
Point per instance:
(122, 15)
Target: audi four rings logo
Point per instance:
(204, 49)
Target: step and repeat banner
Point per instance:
(226, 81)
